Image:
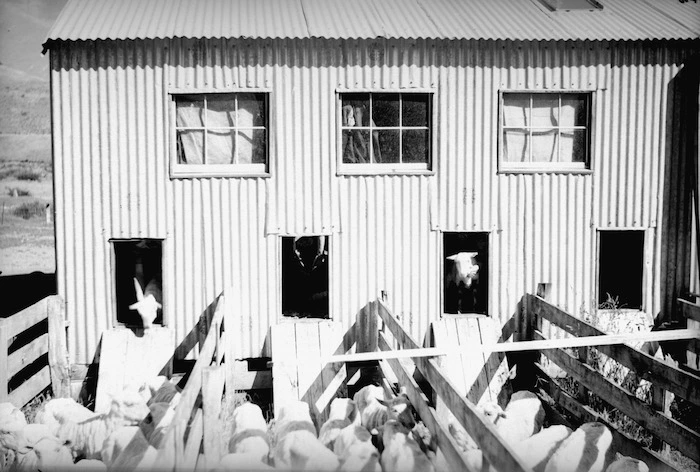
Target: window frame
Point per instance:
(411, 168)
(178, 170)
(586, 167)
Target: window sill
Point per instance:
(545, 170)
(383, 169)
(204, 172)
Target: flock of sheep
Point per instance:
(369, 433)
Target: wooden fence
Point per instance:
(33, 352)
(652, 416)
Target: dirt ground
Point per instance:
(26, 184)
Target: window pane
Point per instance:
(190, 147)
(190, 111)
(355, 146)
(415, 110)
(388, 149)
(385, 109)
(356, 109)
(573, 145)
(415, 146)
(516, 145)
(251, 110)
(251, 147)
(573, 110)
(545, 110)
(545, 145)
(516, 109)
(220, 112)
(220, 147)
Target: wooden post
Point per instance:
(58, 353)
(366, 328)
(4, 379)
(213, 379)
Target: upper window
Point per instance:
(545, 131)
(385, 132)
(223, 133)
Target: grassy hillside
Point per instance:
(25, 103)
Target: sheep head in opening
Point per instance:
(400, 409)
(463, 279)
(148, 301)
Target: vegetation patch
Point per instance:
(18, 192)
(28, 175)
(29, 210)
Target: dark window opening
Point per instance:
(305, 276)
(621, 269)
(139, 261)
(466, 271)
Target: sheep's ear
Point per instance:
(139, 290)
(384, 402)
(452, 258)
(159, 305)
(135, 306)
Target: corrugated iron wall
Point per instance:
(111, 145)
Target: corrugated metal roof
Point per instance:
(368, 19)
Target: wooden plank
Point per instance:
(445, 442)
(213, 380)
(4, 377)
(308, 365)
(194, 442)
(58, 352)
(499, 454)
(332, 375)
(623, 443)
(689, 310)
(474, 365)
(25, 319)
(232, 329)
(660, 401)
(27, 354)
(31, 387)
(127, 359)
(658, 372)
(285, 382)
(498, 371)
(673, 432)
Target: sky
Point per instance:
(23, 28)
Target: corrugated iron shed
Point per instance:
(369, 19)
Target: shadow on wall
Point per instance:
(22, 291)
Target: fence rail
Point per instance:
(33, 352)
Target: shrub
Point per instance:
(28, 175)
(30, 209)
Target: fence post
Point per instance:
(660, 401)
(58, 353)
(213, 379)
(4, 379)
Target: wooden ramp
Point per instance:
(478, 376)
(127, 359)
(297, 371)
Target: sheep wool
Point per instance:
(536, 450)
(360, 457)
(588, 449)
(627, 464)
(522, 418)
(401, 452)
(301, 450)
(349, 436)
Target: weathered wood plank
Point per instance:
(499, 454)
(27, 354)
(31, 387)
(673, 432)
(26, 318)
(58, 352)
(194, 442)
(213, 380)
(308, 366)
(623, 443)
(332, 375)
(428, 415)
(4, 377)
(689, 310)
(473, 366)
(285, 383)
(660, 373)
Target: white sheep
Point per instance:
(249, 432)
(119, 440)
(39, 449)
(56, 410)
(12, 422)
(148, 301)
(241, 461)
(294, 415)
(401, 452)
(492, 413)
(373, 414)
(343, 412)
(350, 435)
(301, 450)
(588, 449)
(87, 437)
(627, 464)
(360, 457)
(536, 450)
(88, 465)
(155, 424)
(522, 418)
